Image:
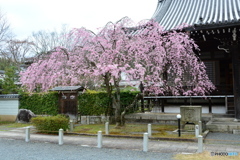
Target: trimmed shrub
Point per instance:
(89, 103)
(93, 103)
(96, 103)
(40, 103)
(50, 124)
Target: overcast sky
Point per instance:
(27, 16)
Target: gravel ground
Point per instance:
(20, 150)
(223, 138)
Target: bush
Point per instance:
(89, 103)
(93, 103)
(40, 103)
(97, 103)
(127, 98)
(50, 124)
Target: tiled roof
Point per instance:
(9, 96)
(67, 88)
(172, 13)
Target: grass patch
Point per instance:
(204, 155)
(17, 125)
(5, 122)
(89, 129)
(12, 125)
(130, 130)
(167, 135)
(158, 131)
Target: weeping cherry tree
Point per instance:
(164, 61)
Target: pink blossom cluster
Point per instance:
(165, 62)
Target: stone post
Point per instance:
(107, 128)
(196, 131)
(27, 138)
(60, 137)
(145, 142)
(99, 137)
(200, 127)
(200, 144)
(88, 119)
(149, 130)
(71, 125)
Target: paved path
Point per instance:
(122, 143)
(20, 150)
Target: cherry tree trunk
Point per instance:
(117, 103)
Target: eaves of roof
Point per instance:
(197, 13)
(9, 96)
(67, 88)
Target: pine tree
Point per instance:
(8, 82)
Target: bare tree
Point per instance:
(46, 41)
(5, 32)
(5, 35)
(17, 50)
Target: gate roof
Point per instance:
(67, 88)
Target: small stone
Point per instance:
(24, 116)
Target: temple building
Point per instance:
(215, 27)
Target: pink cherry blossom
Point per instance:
(166, 62)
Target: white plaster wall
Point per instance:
(9, 106)
(176, 109)
(219, 109)
(172, 109)
(205, 109)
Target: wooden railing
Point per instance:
(210, 100)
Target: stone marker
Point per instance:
(190, 115)
(24, 115)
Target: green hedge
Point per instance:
(93, 103)
(127, 97)
(89, 103)
(97, 103)
(50, 124)
(40, 103)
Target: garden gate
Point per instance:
(68, 101)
